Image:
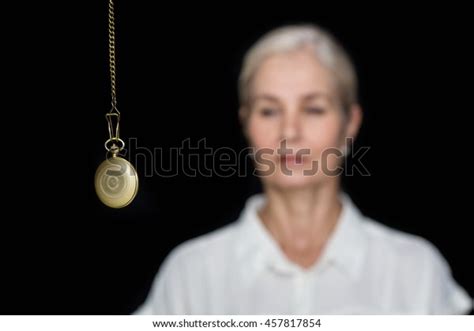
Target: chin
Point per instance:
(294, 181)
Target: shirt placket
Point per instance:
(300, 292)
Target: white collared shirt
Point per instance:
(365, 268)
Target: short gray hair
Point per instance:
(288, 38)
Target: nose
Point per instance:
(291, 127)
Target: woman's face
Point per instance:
(295, 122)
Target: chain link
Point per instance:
(113, 115)
(112, 67)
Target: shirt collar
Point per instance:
(345, 248)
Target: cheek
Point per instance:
(262, 133)
(324, 133)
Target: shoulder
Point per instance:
(403, 244)
(183, 278)
(417, 267)
(401, 250)
(204, 249)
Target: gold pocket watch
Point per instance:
(116, 180)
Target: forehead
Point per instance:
(291, 74)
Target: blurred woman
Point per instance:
(302, 246)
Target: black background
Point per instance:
(65, 253)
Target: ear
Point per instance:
(354, 121)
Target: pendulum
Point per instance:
(116, 180)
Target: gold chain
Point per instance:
(112, 55)
(113, 114)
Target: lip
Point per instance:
(292, 159)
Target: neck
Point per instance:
(301, 220)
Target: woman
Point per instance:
(302, 247)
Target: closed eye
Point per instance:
(315, 110)
(267, 112)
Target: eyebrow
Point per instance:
(265, 96)
(316, 95)
(307, 97)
